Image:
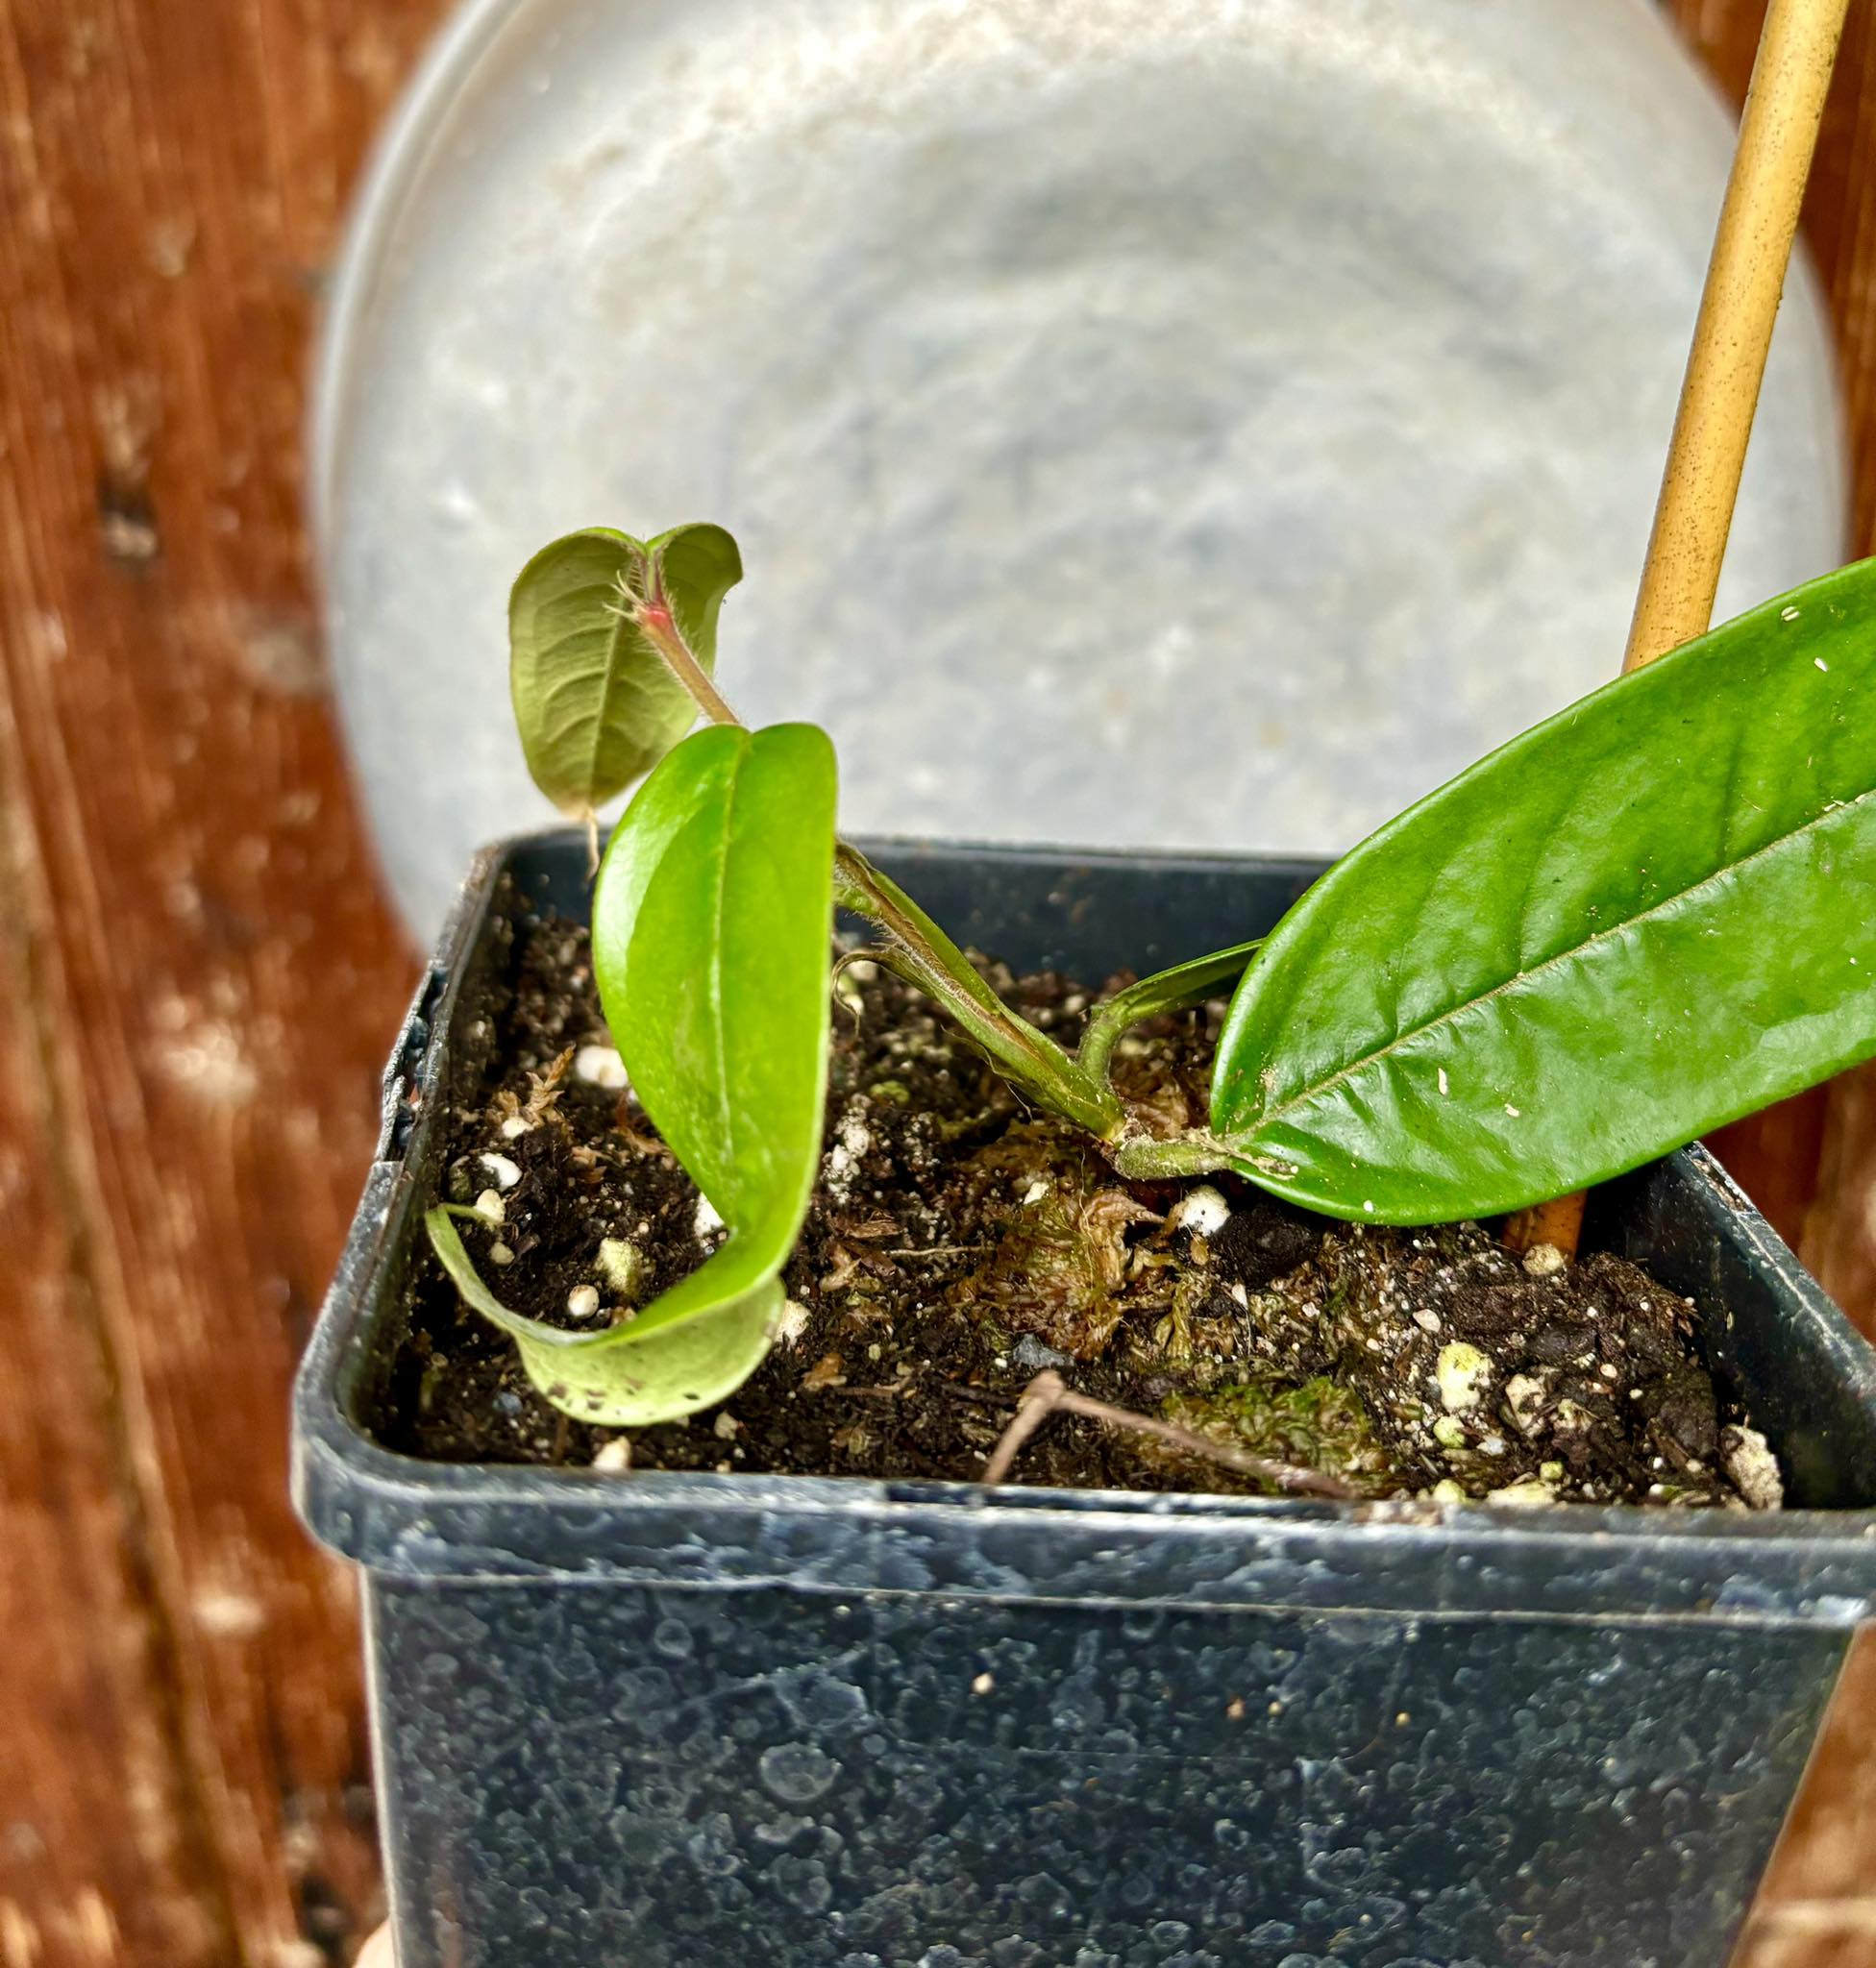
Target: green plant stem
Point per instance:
(654, 617)
(918, 951)
(1175, 990)
(1146, 1158)
(915, 947)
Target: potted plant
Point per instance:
(1002, 1464)
(658, 1412)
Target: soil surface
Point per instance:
(959, 1245)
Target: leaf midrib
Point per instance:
(720, 884)
(610, 677)
(1307, 1095)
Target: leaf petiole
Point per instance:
(1150, 1158)
(653, 614)
(919, 952)
(1177, 989)
(915, 947)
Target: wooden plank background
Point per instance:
(202, 978)
(198, 978)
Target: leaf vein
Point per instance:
(1306, 1096)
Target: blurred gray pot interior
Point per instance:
(1146, 423)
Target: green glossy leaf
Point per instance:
(1638, 921)
(713, 918)
(595, 702)
(657, 1377)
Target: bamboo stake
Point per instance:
(1745, 279)
(1738, 307)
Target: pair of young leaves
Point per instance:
(1637, 920)
(712, 917)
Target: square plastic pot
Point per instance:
(699, 1721)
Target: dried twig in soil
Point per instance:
(1048, 1391)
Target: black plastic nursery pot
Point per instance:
(672, 1720)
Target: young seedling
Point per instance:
(1640, 920)
(711, 928)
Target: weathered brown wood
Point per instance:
(103, 1858)
(1835, 1934)
(214, 974)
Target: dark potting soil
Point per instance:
(960, 1243)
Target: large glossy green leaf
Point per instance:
(1641, 919)
(712, 925)
(596, 703)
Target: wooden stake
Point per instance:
(1778, 133)
(1738, 307)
